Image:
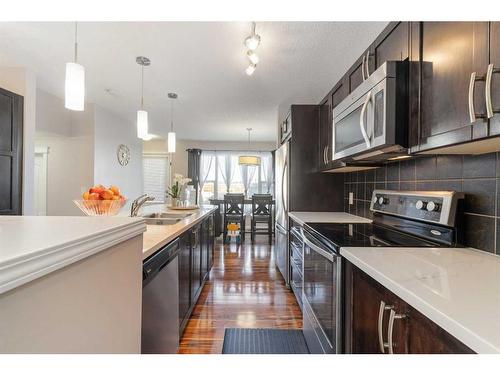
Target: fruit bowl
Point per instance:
(100, 207)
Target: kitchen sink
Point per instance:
(165, 218)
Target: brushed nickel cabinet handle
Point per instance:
(367, 64)
(327, 159)
(472, 84)
(324, 155)
(363, 69)
(490, 112)
(383, 307)
(390, 328)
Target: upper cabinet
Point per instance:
(453, 63)
(391, 45)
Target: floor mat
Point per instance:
(264, 341)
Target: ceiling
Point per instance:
(203, 62)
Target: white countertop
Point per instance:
(158, 236)
(33, 246)
(326, 217)
(458, 289)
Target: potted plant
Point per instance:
(175, 191)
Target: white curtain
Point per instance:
(267, 171)
(226, 168)
(247, 174)
(207, 163)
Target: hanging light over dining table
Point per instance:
(249, 160)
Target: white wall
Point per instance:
(180, 157)
(69, 137)
(111, 131)
(23, 82)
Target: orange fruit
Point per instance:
(115, 189)
(94, 196)
(86, 195)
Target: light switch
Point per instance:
(351, 198)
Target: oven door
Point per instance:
(363, 127)
(321, 297)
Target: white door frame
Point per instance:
(44, 152)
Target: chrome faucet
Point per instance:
(137, 203)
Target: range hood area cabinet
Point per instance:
(393, 44)
(454, 59)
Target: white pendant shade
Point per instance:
(75, 87)
(142, 124)
(171, 142)
(249, 160)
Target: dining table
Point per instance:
(219, 216)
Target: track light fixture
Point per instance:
(252, 42)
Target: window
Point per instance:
(221, 173)
(156, 175)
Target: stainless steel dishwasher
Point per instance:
(160, 301)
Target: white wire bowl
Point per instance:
(100, 207)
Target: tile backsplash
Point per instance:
(477, 176)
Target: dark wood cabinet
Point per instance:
(196, 250)
(393, 44)
(370, 307)
(450, 53)
(11, 147)
(184, 278)
(495, 79)
(195, 262)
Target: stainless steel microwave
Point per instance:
(372, 122)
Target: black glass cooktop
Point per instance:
(363, 235)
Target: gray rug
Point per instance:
(264, 341)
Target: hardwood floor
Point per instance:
(245, 290)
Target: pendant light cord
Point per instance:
(253, 28)
(172, 115)
(142, 86)
(76, 41)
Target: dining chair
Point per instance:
(234, 212)
(262, 213)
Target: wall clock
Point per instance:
(123, 154)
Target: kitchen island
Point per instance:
(70, 284)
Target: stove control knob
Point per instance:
(375, 199)
(383, 200)
(431, 206)
(420, 205)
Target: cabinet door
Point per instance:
(204, 249)
(211, 244)
(184, 277)
(195, 263)
(372, 305)
(428, 338)
(355, 75)
(325, 133)
(495, 82)
(451, 52)
(391, 45)
(11, 126)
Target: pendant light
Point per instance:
(142, 115)
(74, 85)
(252, 41)
(171, 134)
(249, 160)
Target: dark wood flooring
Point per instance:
(244, 290)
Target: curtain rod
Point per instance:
(188, 149)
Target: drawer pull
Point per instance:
(390, 328)
(383, 307)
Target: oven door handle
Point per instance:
(319, 250)
(362, 119)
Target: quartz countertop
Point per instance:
(326, 217)
(158, 236)
(33, 246)
(456, 288)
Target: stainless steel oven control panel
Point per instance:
(437, 207)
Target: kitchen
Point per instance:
(353, 213)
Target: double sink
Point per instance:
(165, 218)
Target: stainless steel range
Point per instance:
(400, 219)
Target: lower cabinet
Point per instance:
(382, 323)
(195, 262)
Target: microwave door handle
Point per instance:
(362, 119)
(363, 69)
